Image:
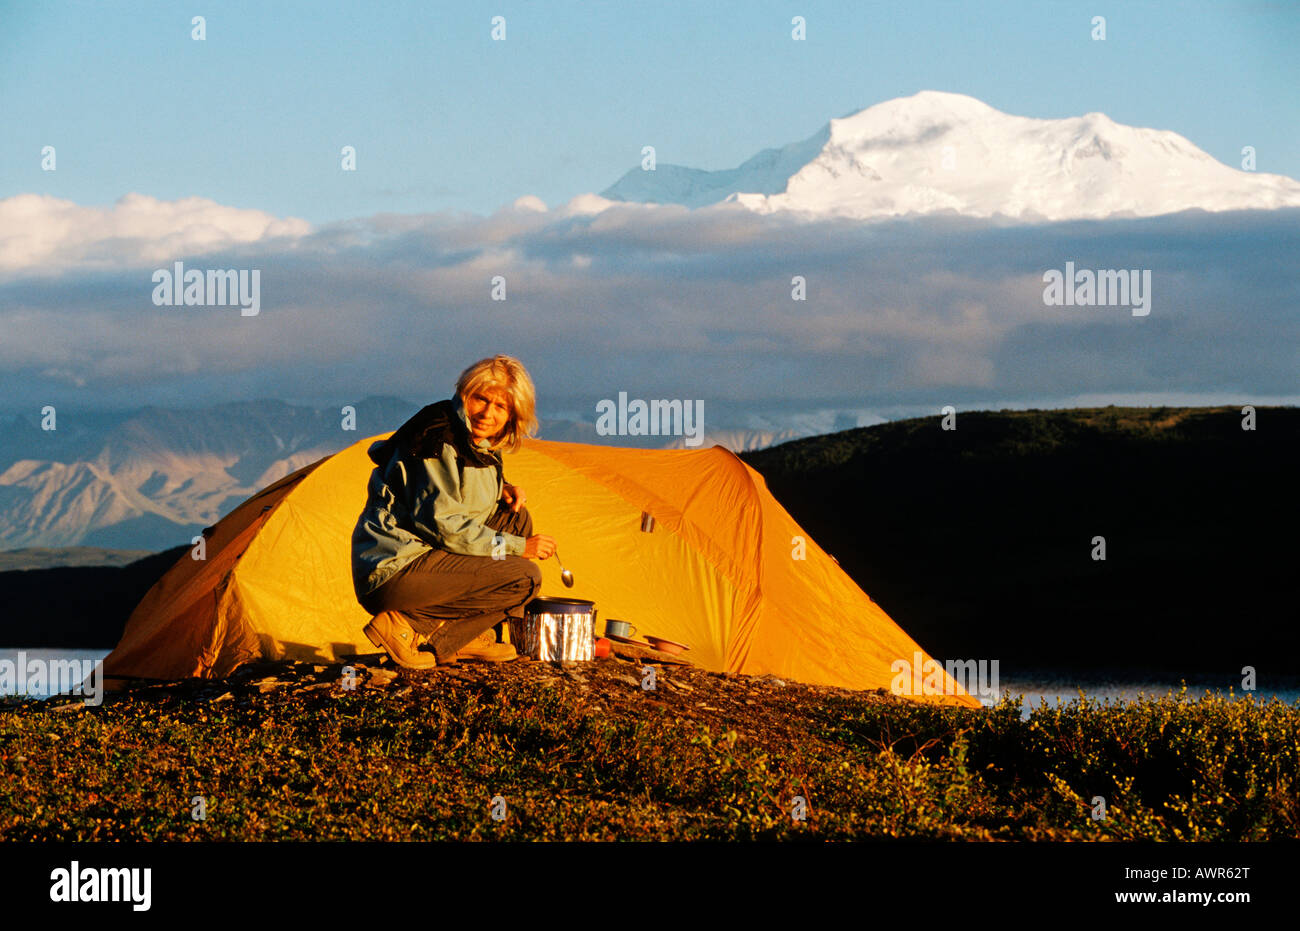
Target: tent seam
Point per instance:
(762, 534)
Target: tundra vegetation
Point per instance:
(286, 752)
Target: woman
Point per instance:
(441, 551)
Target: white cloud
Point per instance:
(530, 202)
(39, 233)
(585, 205)
(659, 301)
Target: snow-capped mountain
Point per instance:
(938, 152)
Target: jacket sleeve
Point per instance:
(452, 527)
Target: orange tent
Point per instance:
(725, 569)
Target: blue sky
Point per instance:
(444, 119)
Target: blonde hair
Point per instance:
(506, 374)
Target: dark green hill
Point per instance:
(76, 607)
(978, 541)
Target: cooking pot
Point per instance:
(555, 629)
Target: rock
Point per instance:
(381, 678)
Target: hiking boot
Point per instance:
(485, 647)
(427, 640)
(390, 632)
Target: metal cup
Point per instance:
(614, 628)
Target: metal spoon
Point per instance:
(565, 575)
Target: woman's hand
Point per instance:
(513, 495)
(539, 546)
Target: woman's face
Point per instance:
(488, 412)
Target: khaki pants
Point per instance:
(452, 598)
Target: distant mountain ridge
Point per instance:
(739, 440)
(155, 477)
(938, 152)
(50, 557)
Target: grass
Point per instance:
(593, 757)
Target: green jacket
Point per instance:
(431, 487)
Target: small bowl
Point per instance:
(666, 646)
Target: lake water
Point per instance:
(1050, 689)
(1054, 689)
